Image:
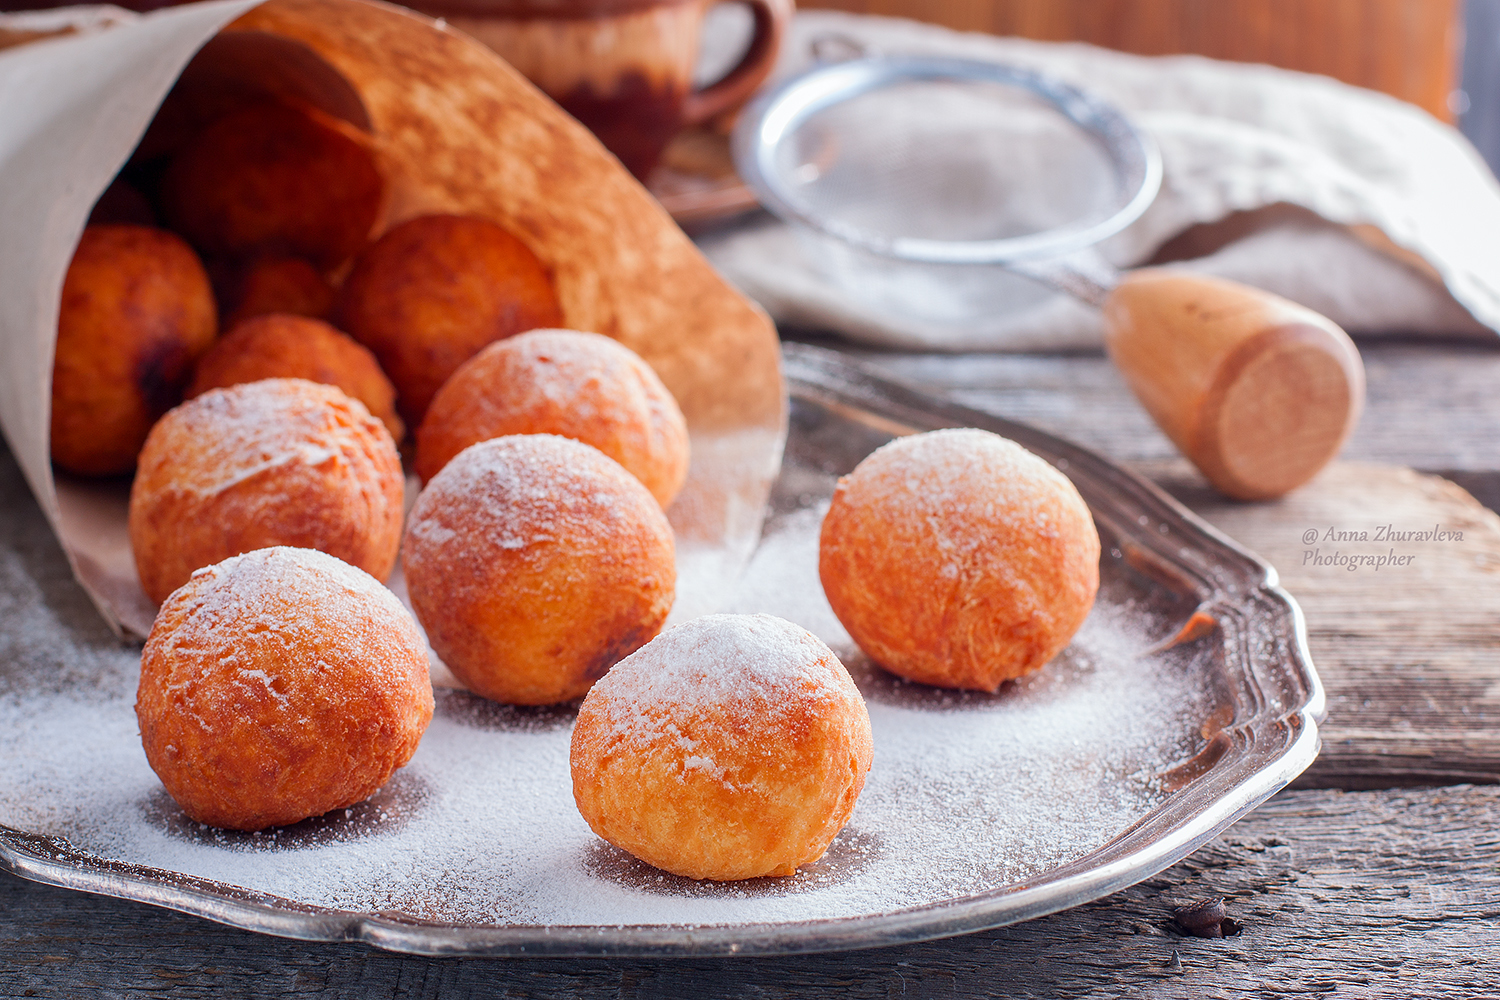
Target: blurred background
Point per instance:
(1479, 97)
(1442, 55)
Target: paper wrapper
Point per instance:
(459, 131)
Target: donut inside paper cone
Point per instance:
(454, 130)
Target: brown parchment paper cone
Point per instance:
(459, 131)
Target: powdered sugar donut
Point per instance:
(729, 747)
(582, 386)
(958, 558)
(279, 685)
(276, 462)
(535, 563)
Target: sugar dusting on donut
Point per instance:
(959, 559)
(242, 431)
(521, 492)
(578, 385)
(260, 464)
(930, 476)
(730, 747)
(278, 685)
(535, 563)
(291, 595)
(752, 664)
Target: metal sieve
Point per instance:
(941, 161)
(925, 180)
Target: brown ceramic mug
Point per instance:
(622, 67)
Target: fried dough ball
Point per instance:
(277, 462)
(136, 312)
(269, 285)
(579, 385)
(280, 684)
(535, 563)
(434, 290)
(283, 346)
(958, 558)
(729, 747)
(277, 178)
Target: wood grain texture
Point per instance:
(1429, 405)
(1407, 48)
(1398, 575)
(1358, 894)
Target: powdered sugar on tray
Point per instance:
(968, 792)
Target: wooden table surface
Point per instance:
(1377, 874)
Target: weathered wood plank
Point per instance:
(1429, 406)
(1358, 894)
(1409, 651)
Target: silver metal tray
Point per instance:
(1187, 700)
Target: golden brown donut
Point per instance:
(278, 685)
(579, 385)
(729, 747)
(435, 289)
(270, 284)
(275, 178)
(276, 462)
(958, 558)
(136, 312)
(284, 346)
(535, 563)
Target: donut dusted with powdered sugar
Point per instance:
(536, 562)
(729, 747)
(578, 385)
(281, 461)
(958, 558)
(278, 685)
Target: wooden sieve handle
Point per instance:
(1260, 393)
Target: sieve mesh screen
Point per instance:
(948, 160)
(945, 161)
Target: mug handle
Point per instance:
(771, 20)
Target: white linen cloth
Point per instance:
(1363, 207)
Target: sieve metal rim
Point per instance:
(776, 114)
